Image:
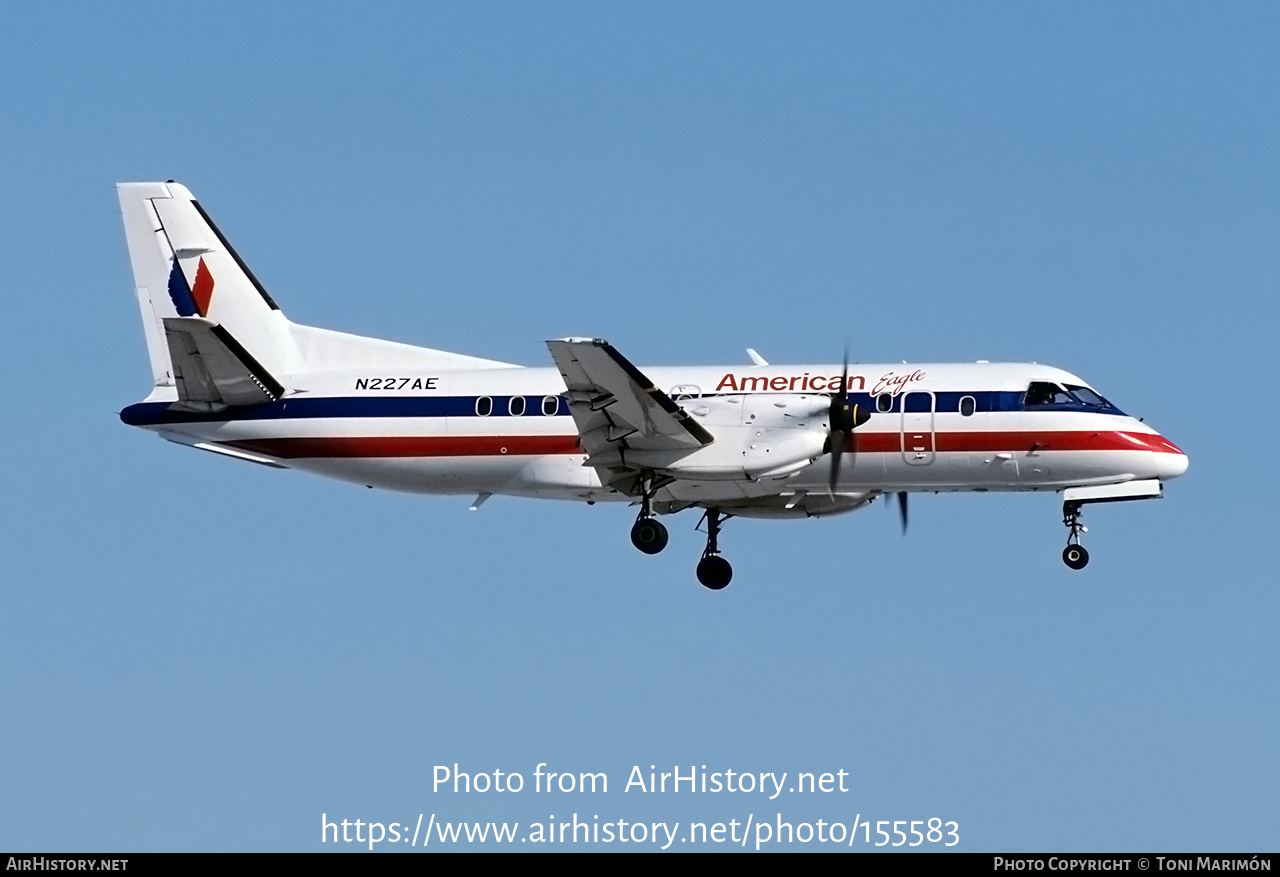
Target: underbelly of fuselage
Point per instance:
(439, 456)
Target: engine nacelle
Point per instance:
(758, 436)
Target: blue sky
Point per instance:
(201, 655)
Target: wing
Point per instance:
(621, 416)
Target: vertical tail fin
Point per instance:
(187, 276)
(214, 336)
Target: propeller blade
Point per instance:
(837, 450)
(844, 377)
(843, 419)
(902, 510)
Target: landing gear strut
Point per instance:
(713, 570)
(648, 533)
(1074, 554)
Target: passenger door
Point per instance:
(917, 428)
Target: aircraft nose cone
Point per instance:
(1172, 465)
(1170, 461)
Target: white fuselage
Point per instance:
(231, 374)
(934, 427)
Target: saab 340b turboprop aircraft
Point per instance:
(232, 375)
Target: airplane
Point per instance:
(232, 375)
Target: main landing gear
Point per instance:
(648, 533)
(713, 570)
(1074, 554)
(650, 536)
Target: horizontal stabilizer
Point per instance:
(223, 450)
(212, 370)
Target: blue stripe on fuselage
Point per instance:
(306, 408)
(158, 413)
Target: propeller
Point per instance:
(902, 508)
(843, 418)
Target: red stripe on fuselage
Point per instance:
(982, 442)
(411, 446)
(537, 445)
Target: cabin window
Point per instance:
(967, 406)
(884, 402)
(516, 406)
(484, 406)
(550, 405)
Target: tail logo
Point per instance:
(191, 300)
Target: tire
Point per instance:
(649, 535)
(1075, 556)
(714, 572)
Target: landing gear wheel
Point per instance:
(649, 535)
(714, 572)
(1075, 556)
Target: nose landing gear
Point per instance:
(1074, 554)
(714, 571)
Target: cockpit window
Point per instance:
(1045, 393)
(1067, 397)
(1090, 398)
